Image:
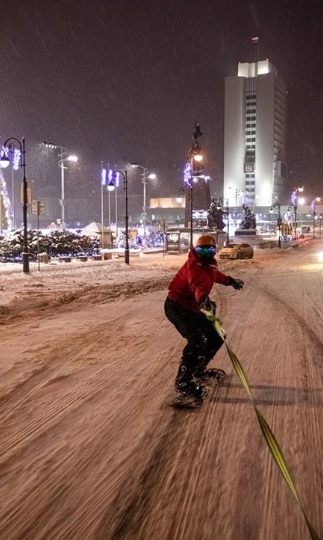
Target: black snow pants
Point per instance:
(203, 341)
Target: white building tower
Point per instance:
(254, 136)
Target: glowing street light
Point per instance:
(4, 160)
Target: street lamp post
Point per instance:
(115, 182)
(313, 205)
(102, 204)
(1, 199)
(279, 221)
(225, 203)
(236, 197)
(151, 176)
(294, 199)
(15, 163)
(63, 155)
(125, 187)
(112, 182)
(237, 192)
(110, 187)
(193, 168)
(13, 195)
(15, 167)
(190, 187)
(183, 191)
(144, 205)
(116, 209)
(22, 148)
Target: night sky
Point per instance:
(125, 81)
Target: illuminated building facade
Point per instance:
(254, 136)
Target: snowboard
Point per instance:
(186, 402)
(189, 402)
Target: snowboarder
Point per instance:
(188, 294)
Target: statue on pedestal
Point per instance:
(249, 220)
(215, 216)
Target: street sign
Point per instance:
(38, 208)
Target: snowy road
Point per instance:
(90, 450)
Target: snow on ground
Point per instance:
(55, 279)
(49, 280)
(90, 449)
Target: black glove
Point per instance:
(236, 283)
(207, 304)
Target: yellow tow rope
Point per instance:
(270, 438)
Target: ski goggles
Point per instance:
(206, 251)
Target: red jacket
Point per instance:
(194, 280)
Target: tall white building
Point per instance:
(254, 136)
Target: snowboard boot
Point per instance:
(187, 386)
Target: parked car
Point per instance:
(236, 251)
